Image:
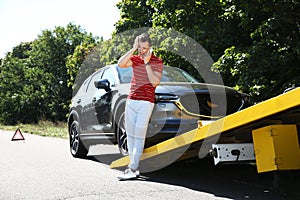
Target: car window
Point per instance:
(91, 86)
(110, 76)
(86, 83)
(82, 88)
(125, 74)
(170, 74)
(173, 74)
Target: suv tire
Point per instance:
(121, 135)
(77, 148)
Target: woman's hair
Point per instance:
(144, 37)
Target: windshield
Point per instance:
(170, 74)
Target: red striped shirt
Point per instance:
(141, 88)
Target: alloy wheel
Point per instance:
(74, 138)
(122, 136)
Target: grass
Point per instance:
(43, 128)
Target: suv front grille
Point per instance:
(218, 105)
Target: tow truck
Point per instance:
(272, 127)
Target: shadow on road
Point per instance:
(230, 181)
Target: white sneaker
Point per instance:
(137, 172)
(129, 174)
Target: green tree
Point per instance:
(49, 53)
(270, 63)
(134, 14)
(22, 87)
(83, 62)
(34, 77)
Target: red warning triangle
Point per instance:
(18, 135)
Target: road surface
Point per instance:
(42, 168)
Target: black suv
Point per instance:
(97, 110)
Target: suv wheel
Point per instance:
(121, 135)
(77, 148)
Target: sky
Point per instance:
(24, 20)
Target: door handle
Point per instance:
(94, 100)
(79, 100)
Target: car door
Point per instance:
(89, 118)
(103, 100)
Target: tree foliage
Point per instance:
(34, 77)
(269, 64)
(82, 63)
(134, 14)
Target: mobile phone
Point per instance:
(150, 51)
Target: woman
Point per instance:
(147, 73)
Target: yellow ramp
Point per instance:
(253, 114)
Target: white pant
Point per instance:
(137, 115)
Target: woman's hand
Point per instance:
(125, 61)
(136, 43)
(148, 55)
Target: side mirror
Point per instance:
(103, 84)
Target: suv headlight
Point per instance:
(166, 97)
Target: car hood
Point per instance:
(184, 88)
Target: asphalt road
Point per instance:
(42, 168)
